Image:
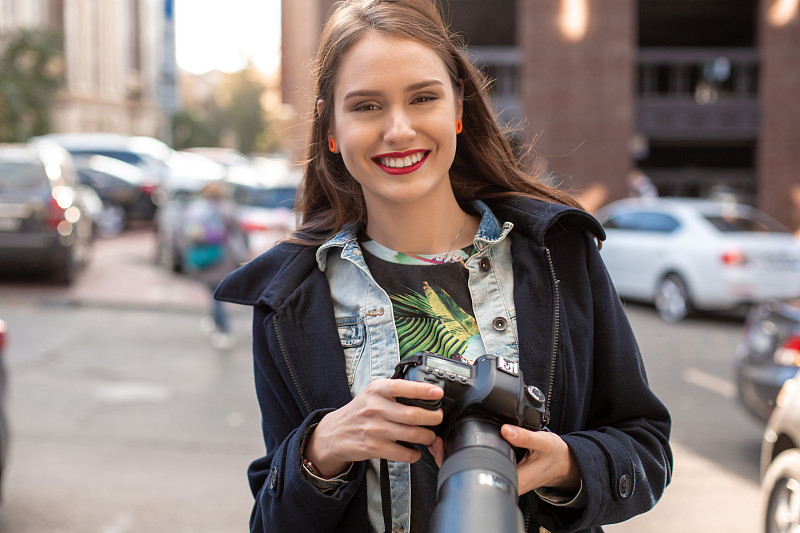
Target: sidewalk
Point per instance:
(122, 273)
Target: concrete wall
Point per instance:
(301, 21)
(779, 92)
(578, 91)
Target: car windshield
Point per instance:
(270, 198)
(739, 223)
(128, 157)
(21, 176)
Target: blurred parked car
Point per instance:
(685, 254)
(780, 463)
(45, 221)
(125, 192)
(3, 419)
(227, 157)
(767, 355)
(147, 153)
(266, 214)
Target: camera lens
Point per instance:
(477, 484)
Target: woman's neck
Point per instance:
(423, 230)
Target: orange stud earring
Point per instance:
(332, 144)
(459, 126)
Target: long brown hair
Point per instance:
(485, 165)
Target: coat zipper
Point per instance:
(289, 366)
(555, 332)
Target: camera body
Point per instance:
(493, 387)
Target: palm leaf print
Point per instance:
(458, 322)
(432, 322)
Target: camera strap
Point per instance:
(386, 490)
(400, 369)
(386, 496)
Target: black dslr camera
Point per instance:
(477, 486)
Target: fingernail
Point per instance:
(433, 392)
(511, 432)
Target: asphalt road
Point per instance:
(126, 420)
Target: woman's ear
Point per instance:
(320, 106)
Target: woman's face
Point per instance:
(394, 122)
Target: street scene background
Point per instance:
(125, 419)
(127, 416)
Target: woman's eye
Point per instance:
(365, 107)
(425, 98)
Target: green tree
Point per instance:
(241, 109)
(195, 127)
(30, 74)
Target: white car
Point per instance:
(685, 254)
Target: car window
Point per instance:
(643, 221)
(21, 176)
(732, 223)
(128, 157)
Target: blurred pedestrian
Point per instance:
(214, 245)
(419, 231)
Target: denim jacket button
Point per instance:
(499, 323)
(486, 264)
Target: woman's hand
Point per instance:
(370, 425)
(550, 462)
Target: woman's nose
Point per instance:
(399, 128)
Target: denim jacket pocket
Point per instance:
(351, 334)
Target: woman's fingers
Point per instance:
(524, 438)
(549, 463)
(401, 388)
(373, 423)
(392, 389)
(437, 451)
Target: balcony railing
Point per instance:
(690, 94)
(698, 93)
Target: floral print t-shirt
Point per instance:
(430, 299)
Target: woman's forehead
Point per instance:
(379, 60)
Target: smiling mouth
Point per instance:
(401, 162)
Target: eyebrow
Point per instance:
(413, 87)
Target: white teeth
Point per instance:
(401, 162)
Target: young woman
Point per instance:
(418, 231)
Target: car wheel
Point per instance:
(112, 220)
(65, 267)
(780, 494)
(672, 298)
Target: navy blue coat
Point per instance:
(575, 342)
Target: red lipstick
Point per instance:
(399, 155)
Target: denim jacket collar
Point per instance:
(490, 231)
(346, 238)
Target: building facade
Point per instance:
(118, 62)
(701, 96)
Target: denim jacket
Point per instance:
(570, 330)
(365, 322)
